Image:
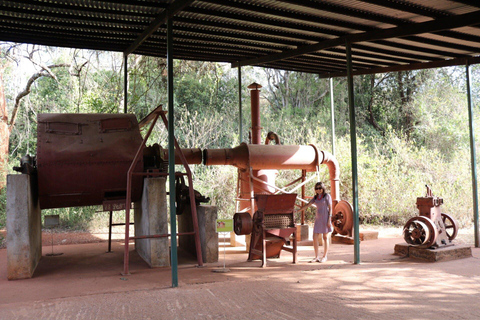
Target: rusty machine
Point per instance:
(432, 228)
(272, 226)
(82, 159)
(101, 159)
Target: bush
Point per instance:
(75, 218)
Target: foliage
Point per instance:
(74, 218)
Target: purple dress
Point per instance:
(321, 218)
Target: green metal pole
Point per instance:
(171, 156)
(473, 158)
(333, 115)
(240, 117)
(125, 83)
(353, 142)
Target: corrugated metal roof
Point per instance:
(302, 35)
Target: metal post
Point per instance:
(333, 116)
(255, 108)
(240, 117)
(171, 156)
(110, 232)
(353, 142)
(473, 158)
(125, 83)
(302, 218)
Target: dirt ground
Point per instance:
(84, 282)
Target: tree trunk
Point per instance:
(371, 117)
(4, 136)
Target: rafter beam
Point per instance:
(406, 67)
(458, 21)
(166, 14)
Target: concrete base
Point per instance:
(364, 236)
(207, 220)
(24, 227)
(302, 232)
(151, 218)
(452, 252)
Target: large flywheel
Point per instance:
(342, 218)
(451, 226)
(420, 231)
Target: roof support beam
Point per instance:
(353, 148)
(401, 31)
(473, 156)
(166, 14)
(171, 155)
(413, 66)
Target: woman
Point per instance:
(323, 223)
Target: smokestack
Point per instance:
(255, 106)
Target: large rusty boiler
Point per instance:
(272, 224)
(82, 159)
(432, 228)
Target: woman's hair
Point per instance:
(321, 185)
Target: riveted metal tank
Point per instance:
(83, 159)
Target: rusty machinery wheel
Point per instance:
(242, 223)
(420, 231)
(342, 218)
(451, 226)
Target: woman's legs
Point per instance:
(316, 245)
(325, 244)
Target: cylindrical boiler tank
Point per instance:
(280, 157)
(83, 159)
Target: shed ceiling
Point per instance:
(299, 35)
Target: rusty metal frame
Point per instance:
(277, 188)
(261, 235)
(153, 117)
(301, 185)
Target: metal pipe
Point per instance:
(333, 169)
(272, 136)
(240, 116)
(277, 157)
(353, 144)
(110, 232)
(280, 157)
(473, 158)
(125, 83)
(171, 154)
(255, 109)
(193, 156)
(333, 116)
(252, 193)
(304, 174)
(244, 191)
